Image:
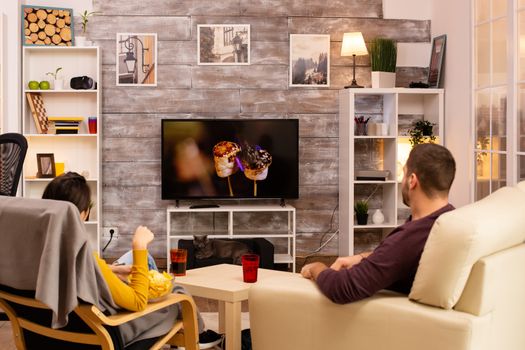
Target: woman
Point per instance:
(133, 296)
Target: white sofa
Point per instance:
(469, 293)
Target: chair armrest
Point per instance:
(126, 316)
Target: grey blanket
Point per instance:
(44, 247)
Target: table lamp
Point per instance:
(353, 45)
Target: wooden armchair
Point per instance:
(96, 321)
(54, 296)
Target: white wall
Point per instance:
(11, 9)
(452, 17)
(410, 54)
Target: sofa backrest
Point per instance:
(461, 238)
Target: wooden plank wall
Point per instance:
(132, 115)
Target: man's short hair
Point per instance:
(434, 167)
(70, 187)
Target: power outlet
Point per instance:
(107, 231)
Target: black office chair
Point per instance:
(13, 149)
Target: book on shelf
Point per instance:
(65, 118)
(38, 111)
(66, 131)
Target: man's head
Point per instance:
(432, 168)
(70, 187)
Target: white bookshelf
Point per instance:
(79, 152)
(229, 229)
(427, 103)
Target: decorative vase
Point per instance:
(378, 217)
(58, 84)
(362, 219)
(383, 80)
(81, 41)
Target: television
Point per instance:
(230, 158)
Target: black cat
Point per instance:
(219, 248)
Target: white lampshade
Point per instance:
(353, 44)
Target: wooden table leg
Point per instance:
(230, 323)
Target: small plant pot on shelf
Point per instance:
(82, 41)
(362, 219)
(58, 84)
(383, 80)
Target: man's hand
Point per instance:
(142, 237)
(311, 271)
(347, 262)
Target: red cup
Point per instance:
(92, 125)
(250, 265)
(178, 261)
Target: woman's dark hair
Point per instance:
(70, 187)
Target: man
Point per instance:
(428, 175)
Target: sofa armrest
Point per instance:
(289, 312)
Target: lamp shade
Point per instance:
(353, 44)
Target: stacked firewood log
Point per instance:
(47, 26)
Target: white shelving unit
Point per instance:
(229, 230)
(426, 103)
(79, 152)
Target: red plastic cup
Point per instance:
(250, 265)
(92, 125)
(178, 261)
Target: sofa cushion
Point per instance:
(461, 237)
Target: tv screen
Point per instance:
(221, 159)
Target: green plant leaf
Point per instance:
(383, 55)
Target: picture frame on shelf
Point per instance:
(44, 25)
(46, 165)
(136, 59)
(310, 60)
(223, 44)
(436, 61)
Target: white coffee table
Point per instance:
(224, 283)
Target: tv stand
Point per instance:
(234, 221)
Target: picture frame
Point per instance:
(223, 44)
(136, 59)
(309, 60)
(46, 165)
(436, 61)
(47, 26)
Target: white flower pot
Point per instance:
(80, 41)
(58, 84)
(383, 80)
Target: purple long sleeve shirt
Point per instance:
(392, 265)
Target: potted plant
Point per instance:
(81, 39)
(383, 56)
(422, 131)
(58, 84)
(361, 211)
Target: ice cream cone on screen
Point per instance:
(256, 163)
(224, 154)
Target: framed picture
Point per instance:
(136, 59)
(436, 61)
(309, 60)
(47, 26)
(223, 44)
(46, 165)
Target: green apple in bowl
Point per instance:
(33, 85)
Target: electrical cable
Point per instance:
(110, 238)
